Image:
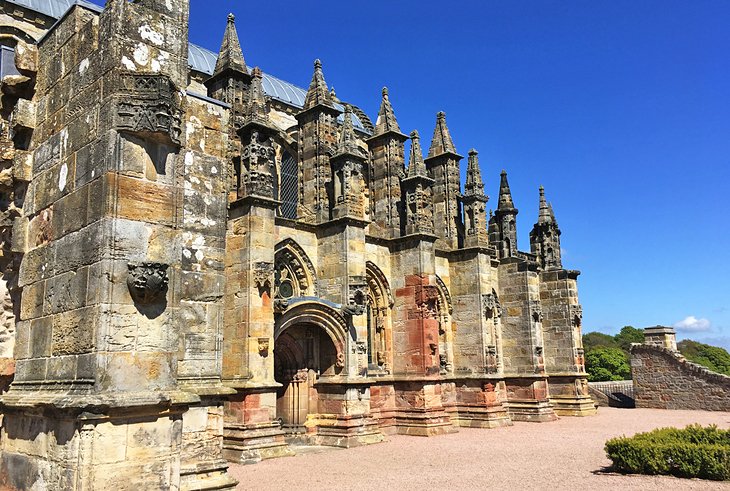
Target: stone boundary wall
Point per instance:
(664, 379)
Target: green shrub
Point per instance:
(694, 451)
(603, 364)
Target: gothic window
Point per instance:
(293, 271)
(288, 191)
(7, 61)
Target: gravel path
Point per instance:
(565, 454)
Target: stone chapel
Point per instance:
(202, 263)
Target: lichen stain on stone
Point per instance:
(151, 35)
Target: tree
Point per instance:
(603, 364)
(593, 340)
(715, 358)
(629, 335)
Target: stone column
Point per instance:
(564, 356)
(522, 341)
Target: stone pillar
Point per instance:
(522, 340)
(251, 434)
(661, 336)
(564, 356)
(416, 364)
(480, 392)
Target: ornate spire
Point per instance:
(416, 166)
(348, 141)
(386, 117)
(230, 56)
(256, 110)
(505, 195)
(317, 93)
(545, 214)
(474, 185)
(441, 141)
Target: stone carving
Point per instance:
(576, 315)
(491, 305)
(361, 347)
(257, 162)
(427, 298)
(147, 282)
(148, 104)
(280, 305)
(536, 311)
(445, 293)
(263, 273)
(264, 347)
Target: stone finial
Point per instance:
(416, 166)
(317, 93)
(348, 141)
(441, 142)
(474, 186)
(505, 195)
(256, 109)
(230, 56)
(386, 117)
(544, 215)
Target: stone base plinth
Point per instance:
(573, 406)
(424, 422)
(482, 417)
(343, 430)
(251, 443)
(206, 476)
(531, 410)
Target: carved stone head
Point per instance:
(147, 282)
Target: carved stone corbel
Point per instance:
(147, 282)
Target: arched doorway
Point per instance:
(302, 354)
(309, 345)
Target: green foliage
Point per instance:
(695, 451)
(595, 339)
(629, 335)
(715, 358)
(603, 364)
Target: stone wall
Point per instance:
(664, 379)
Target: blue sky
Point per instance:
(620, 109)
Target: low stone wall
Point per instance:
(664, 379)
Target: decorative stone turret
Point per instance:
(348, 173)
(417, 192)
(474, 201)
(545, 236)
(231, 77)
(503, 226)
(387, 152)
(317, 142)
(443, 167)
(257, 152)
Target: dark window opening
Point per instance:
(289, 192)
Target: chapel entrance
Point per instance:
(302, 354)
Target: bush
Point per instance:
(713, 357)
(691, 452)
(604, 364)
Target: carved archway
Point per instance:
(311, 342)
(294, 273)
(379, 304)
(444, 309)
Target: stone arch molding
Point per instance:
(320, 314)
(291, 263)
(378, 285)
(444, 294)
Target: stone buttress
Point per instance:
(117, 344)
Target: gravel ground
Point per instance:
(563, 454)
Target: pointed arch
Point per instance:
(444, 294)
(379, 304)
(294, 272)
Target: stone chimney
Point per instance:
(661, 336)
